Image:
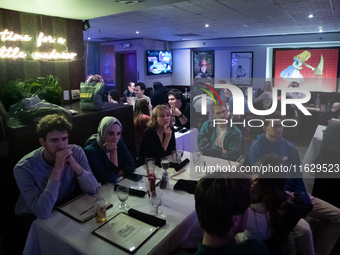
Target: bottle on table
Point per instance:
(317, 103)
(100, 207)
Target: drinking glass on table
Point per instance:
(123, 194)
(173, 119)
(197, 155)
(165, 162)
(156, 202)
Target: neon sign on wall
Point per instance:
(15, 53)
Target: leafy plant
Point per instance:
(47, 88)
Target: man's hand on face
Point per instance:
(61, 158)
(110, 146)
(73, 164)
(174, 111)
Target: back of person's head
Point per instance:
(141, 107)
(115, 95)
(268, 86)
(94, 79)
(155, 113)
(217, 200)
(293, 84)
(157, 86)
(141, 85)
(275, 116)
(53, 122)
(268, 187)
(131, 84)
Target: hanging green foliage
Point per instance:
(47, 88)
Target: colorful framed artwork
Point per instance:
(241, 68)
(314, 68)
(203, 64)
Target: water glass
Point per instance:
(123, 194)
(150, 165)
(197, 155)
(156, 202)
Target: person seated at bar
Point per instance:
(107, 153)
(49, 175)
(331, 114)
(160, 95)
(141, 116)
(264, 101)
(113, 96)
(222, 207)
(158, 139)
(129, 92)
(179, 108)
(221, 141)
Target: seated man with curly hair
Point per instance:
(50, 175)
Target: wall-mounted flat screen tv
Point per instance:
(314, 68)
(159, 62)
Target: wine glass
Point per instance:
(123, 194)
(173, 119)
(156, 202)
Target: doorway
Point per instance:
(126, 70)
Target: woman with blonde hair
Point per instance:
(158, 140)
(141, 116)
(266, 97)
(292, 72)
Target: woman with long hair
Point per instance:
(107, 153)
(268, 203)
(158, 139)
(266, 98)
(141, 116)
(292, 72)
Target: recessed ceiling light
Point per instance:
(310, 16)
(137, 32)
(88, 38)
(206, 25)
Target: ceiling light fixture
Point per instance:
(310, 16)
(206, 25)
(88, 38)
(320, 28)
(137, 32)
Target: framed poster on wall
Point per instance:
(314, 68)
(241, 68)
(203, 64)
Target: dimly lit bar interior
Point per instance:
(170, 127)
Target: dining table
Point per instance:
(60, 234)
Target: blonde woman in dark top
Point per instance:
(158, 139)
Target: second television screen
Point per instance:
(159, 62)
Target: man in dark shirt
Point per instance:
(129, 92)
(222, 203)
(179, 108)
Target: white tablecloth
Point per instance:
(311, 154)
(62, 235)
(187, 141)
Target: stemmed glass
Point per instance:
(123, 194)
(173, 119)
(156, 202)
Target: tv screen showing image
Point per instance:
(159, 62)
(314, 68)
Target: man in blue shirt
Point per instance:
(272, 142)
